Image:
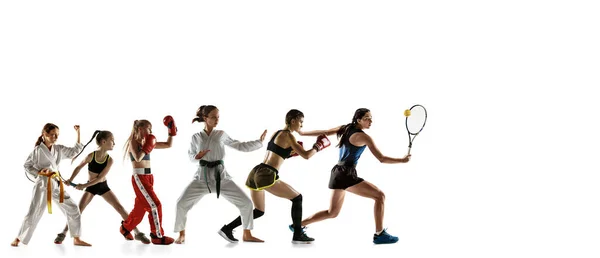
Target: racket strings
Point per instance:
(416, 121)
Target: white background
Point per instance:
(505, 167)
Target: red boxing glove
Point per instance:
(149, 144)
(170, 123)
(294, 154)
(322, 142)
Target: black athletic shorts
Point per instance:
(98, 189)
(343, 176)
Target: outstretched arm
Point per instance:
(320, 132)
(296, 147)
(244, 146)
(85, 161)
(363, 138)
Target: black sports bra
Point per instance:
(284, 153)
(95, 166)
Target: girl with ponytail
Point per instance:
(99, 164)
(139, 145)
(42, 163)
(207, 150)
(352, 142)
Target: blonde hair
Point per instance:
(137, 124)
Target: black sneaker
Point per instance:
(227, 234)
(302, 238)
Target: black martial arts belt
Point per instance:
(218, 165)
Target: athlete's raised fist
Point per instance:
(170, 123)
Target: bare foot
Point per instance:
(180, 239)
(15, 242)
(247, 237)
(77, 241)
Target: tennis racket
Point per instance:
(416, 117)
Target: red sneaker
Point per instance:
(165, 240)
(125, 232)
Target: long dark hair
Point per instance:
(203, 111)
(99, 135)
(344, 131)
(47, 128)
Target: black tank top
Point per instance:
(96, 167)
(284, 153)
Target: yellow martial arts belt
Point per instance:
(51, 175)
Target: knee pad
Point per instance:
(297, 199)
(257, 213)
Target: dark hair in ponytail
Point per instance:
(99, 135)
(93, 135)
(102, 135)
(203, 111)
(343, 132)
(47, 128)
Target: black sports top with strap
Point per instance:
(349, 154)
(284, 153)
(96, 167)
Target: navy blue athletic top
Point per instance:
(349, 154)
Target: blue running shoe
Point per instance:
(291, 227)
(384, 238)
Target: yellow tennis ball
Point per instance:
(407, 112)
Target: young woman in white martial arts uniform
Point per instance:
(42, 163)
(99, 164)
(207, 150)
